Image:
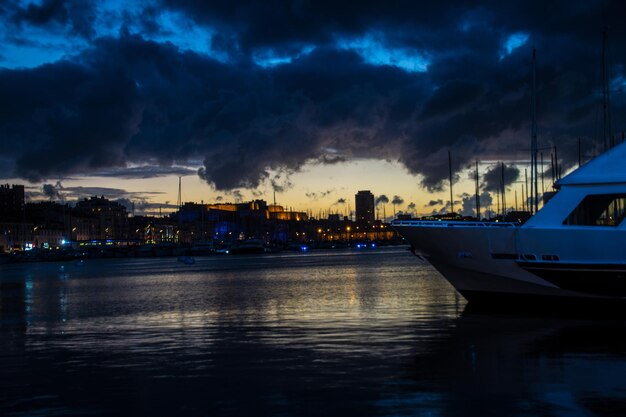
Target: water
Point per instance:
(353, 333)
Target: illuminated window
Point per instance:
(599, 210)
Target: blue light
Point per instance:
(304, 248)
(513, 42)
(373, 245)
(269, 58)
(374, 50)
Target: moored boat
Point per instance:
(246, 247)
(572, 250)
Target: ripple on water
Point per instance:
(327, 333)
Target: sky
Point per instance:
(312, 100)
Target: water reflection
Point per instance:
(491, 365)
(343, 333)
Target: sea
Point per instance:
(355, 332)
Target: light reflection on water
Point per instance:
(323, 333)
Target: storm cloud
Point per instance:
(397, 200)
(382, 199)
(261, 87)
(493, 177)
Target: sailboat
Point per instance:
(571, 251)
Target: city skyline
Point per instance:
(311, 101)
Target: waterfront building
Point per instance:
(15, 235)
(277, 212)
(364, 203)
(11, 202)
(51, 223)
(112, 217)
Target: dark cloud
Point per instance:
(331, 159)
(49, 191)
(382, 199)
(124, 100)
(59, 192)
(341, 201)
(397, 200)
(281, 182)
(492, 179)
(468, 204)
(411, 206)
(141, 207)
(319, 194)
(148, 171)
(110, 193)
(76, 15)
(433, 203)
(237, 195)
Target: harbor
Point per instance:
(308, 208)
(323, 333)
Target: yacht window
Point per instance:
(599, 210)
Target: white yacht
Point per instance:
(572, 250)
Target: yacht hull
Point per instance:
(484, 263)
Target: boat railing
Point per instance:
(438, 223)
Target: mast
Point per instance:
(526, 186)
(557, 174)
(498, 201)
(503, 193)
(202, 219)
(477, 195)
(543, 186)
(450, 174)
(552, 171)
(179, 204)
(179, 201)
(533, 143)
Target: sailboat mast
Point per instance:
(477, 195)
(526, 187)
(179, 201)
(543, 186)
(533, 143)
(503, 193)
(450, 174)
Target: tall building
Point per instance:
(11, 202)
(364, 202)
